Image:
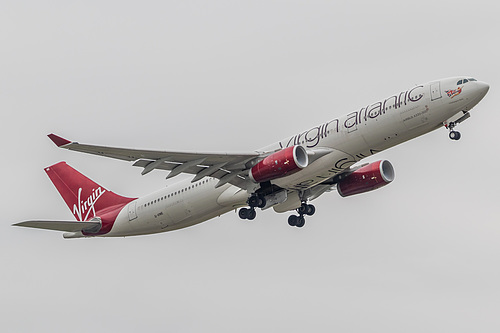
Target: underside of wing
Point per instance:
(227, 167)
(70, 226)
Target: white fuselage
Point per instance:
(347, 140)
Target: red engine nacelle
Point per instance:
(367, 178)
(279, 164)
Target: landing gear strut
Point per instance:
(299, 221)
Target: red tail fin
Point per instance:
(84, 197)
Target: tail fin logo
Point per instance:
(83, 208)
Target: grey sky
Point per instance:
(421, 254)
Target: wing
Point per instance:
(71, 226)
(228, 168)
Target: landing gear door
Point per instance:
(435, 91)
(132, 213)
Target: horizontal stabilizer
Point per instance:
(70, 226)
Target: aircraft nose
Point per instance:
(482, 88)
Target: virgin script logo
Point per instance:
(83, 208)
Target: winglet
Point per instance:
(58, 140)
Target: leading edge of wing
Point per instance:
(131, 154)
(70, 226)
(227, 167)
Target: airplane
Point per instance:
(285, 175)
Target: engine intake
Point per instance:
(279, 164)
(367, 178)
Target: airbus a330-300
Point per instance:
(285, 176)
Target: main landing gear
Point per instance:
(249, 213)
(299, 221)
(293, 220)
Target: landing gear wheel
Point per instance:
(454, 135)
(296, 221)
(253, 201)
(306, 209)
(251, 214)
(243, 213)
(256, 201)
(310, 210)
(247, 213)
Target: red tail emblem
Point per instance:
(84, 197)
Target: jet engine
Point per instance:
(279, 164)
(367, 178)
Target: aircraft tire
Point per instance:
(310, 210)
(302, 209)
(253, 201)
(454, 135)
(243, 213)
(261, 202)
(251, 214)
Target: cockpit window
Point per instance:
(463, 81)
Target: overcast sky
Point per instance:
(422, 254)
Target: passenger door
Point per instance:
(435, 91)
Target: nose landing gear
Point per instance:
(299, 221)
(454, 135)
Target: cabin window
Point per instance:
(471, 79)
(465, 80)
(459, 82)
